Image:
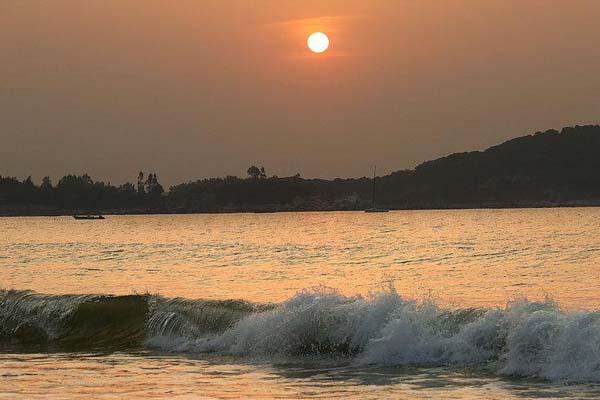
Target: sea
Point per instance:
(452, 304)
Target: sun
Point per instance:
(318, 42)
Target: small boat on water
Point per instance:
(373, 208)
(377, 210)
(88, 217)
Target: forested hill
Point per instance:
(544, 169)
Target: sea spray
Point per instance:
(314, 322)
(525, 339)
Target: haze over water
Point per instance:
(292, 338)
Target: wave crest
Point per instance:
(527, 339)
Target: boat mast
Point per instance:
(374, 174)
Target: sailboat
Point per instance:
(373, 208)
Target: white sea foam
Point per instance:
(528, 339)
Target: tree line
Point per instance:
(79, 192)
(256, 192)
(546, 168)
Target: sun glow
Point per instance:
(318, 42)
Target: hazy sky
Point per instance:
(197, 88)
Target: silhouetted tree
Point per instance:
(140, 184)
(46, 184)
(46, 191)
(153, 188)
(127, 188)
(254, 172)
(77, 192)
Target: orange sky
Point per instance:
(195, 88)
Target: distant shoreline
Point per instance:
(68, 213)
(545, 170)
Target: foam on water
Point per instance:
(526, 339)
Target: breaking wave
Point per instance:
(525, 339)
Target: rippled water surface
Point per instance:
(467, 264)
(40, 376)
(459, 257)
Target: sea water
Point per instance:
(408, 304)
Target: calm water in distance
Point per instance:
(461, 258)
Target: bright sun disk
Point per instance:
(318, 42)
